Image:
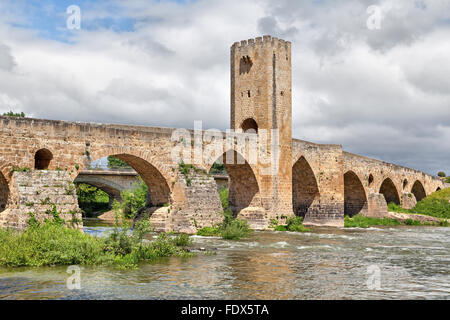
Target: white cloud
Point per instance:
(382, 93)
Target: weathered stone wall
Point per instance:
(37, 194)
(325, 163)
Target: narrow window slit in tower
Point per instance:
(248, 93)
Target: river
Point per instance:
(374, 263)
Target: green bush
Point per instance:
(441, 174)
(51, 243)
(447, 180)
(295, 224)
(365, 222)
(231, 228)
(14, 114)
(209, 232)
(182, 240)
(134, 200)
(235, 230)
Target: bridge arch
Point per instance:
(305, 190)
(42, 159)
(389, 191)
(355, 199)
(418, 190)
(243, 187)
(438, 189)
(112, 189)
(150, 170)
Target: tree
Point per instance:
(116, 163)
(441, 174)
(12, 114)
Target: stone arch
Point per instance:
(42, 159)
(243, 187)
(150, 170)
(249, 124)
(4, 192)
(112, 189)
(438, 189)
(355, 199)
(389, 191)
(305, 190)
(418, 190)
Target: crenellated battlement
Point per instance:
(262, 41)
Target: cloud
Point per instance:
(381, 93)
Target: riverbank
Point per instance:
(51, 243)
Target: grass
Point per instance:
(50, 243)
(436, 205)
(359, 221)
(293, 224)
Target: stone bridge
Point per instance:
(114, 181)
(110, 181)
(320, 182)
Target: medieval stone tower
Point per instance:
(261, 98)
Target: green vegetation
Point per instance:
(134, 200)
(50, 243)
(183, 240)
(91, 199)
(436, 205)
(441, 174)
(114, 163)
(218, 168)
(447, 180)
(20, 169)
(365, 222)
(209, 231)
(230, 228)
(13, 114)
(223, 194)
(233, 229)
(185, 170)
(293, 224)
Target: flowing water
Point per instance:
(374, 263)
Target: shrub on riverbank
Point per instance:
(365, 222)
(51, 243)
(293, 224)
(231, 228)
(436, 205)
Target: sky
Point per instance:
(380, 92)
